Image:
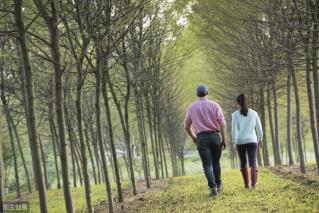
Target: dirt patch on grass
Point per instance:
(310, 178)
(132, 203)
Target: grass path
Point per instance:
(274, 194)
(56, 199)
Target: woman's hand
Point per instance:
(260, 144)
(235, 148)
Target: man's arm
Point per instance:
(191, 133)
(188, 127)
(222, 125)
(223, 132)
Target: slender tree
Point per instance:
(30, 114)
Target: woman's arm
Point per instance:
(234, 132)
(234, 129)
(259, 129)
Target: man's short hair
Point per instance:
(202, 91)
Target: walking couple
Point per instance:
(205, 123)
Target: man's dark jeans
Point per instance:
(209, 149)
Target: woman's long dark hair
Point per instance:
(241, 100)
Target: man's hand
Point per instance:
(223, 132)
(191, 134)
(223, 145)
(194, 140)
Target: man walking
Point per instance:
(203, 123)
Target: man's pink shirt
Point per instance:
(205, 115)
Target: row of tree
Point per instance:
(83, 79)
(268, 50)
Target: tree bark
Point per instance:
(163, 151)
(32, 127)
(314, 60)
(263, 123)
(54, 143)
(86, 133)
(84, 162)
(271, 124)
(1, 168)
(312, 111)
(51, 21)
(140, 123)
(298, 119)
(314, 64)
(150, 126)
(98, 125)
(276, 127)
(96, 152)
(13, 148)
(43, 163)
(111, 138)
(289, 145)
(124, 120)
(26, 171)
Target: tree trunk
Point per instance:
(86, 133)
(144, 136)
(140, 123)
(156, 141)
(271, 124)
(314, 63)
(276, 119)
(149, 119)
(259, 158)
(30, 115)
(263, 123)
(77, 158)
(109, 158)
(96, 153)
(54, 142)
(10, 131)
(124, 120)
(163, 151)
(52, 25)
(84, 162)
(289, 145)
(43, 163)
(181, 158)
(111, 139)
(98, 126)
(298, 120)
(13, 149)
(126, 165)
(15, 131)
(312, 112)
(1, 167)
(73, 166)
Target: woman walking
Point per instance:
(247, 137)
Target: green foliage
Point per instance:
(274, 194)
(56, 199)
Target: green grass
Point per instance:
(274, 194)
(56, 199)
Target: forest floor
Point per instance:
(280, 189)
(276, 192)
(134, 203)
(310, 179)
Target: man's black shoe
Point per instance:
(213, 192)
